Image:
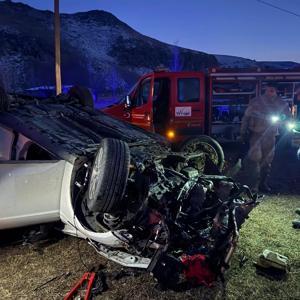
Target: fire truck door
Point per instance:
(141, 105)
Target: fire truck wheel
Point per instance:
(207, 145)
(4, 102)
(109, 177)
(83, 94)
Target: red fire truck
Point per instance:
(192, 109)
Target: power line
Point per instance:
(279, 8)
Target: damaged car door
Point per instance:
(27, 172)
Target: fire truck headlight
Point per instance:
(170, 134)
(290, 125)
(274, 119)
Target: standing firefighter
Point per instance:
(258, 130)
(297, 102)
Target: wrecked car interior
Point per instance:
(122, 189)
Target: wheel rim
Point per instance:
(95, 174)
(195, 146)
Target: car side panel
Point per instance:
(67, 215)
(30, 192)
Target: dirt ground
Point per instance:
(26, 269)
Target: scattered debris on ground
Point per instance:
(28, 274)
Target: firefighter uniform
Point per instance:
(260, 133)
(297, 103)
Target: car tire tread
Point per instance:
(112, 183)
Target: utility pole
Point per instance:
(57, 47)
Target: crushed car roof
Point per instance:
(67, 129)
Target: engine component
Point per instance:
(111, 221)
(167, 270)
(190, 172)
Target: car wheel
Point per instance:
(207, 145)
(83, 94)
(4, 102)
(109, 177)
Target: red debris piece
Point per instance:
(83, 287)
(197, 270)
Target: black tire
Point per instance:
(83, 94)
(109, 177)
(209, 146)
(4, 102)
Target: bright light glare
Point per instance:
(291, 125)
(171, 134)
(274, 119)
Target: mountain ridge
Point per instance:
(98, 50)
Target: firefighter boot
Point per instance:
(263, 183)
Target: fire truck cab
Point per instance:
(169, 103)
(173, 104)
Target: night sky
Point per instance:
(246, 28)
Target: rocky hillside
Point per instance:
(98, 50)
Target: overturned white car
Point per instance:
(120, 188)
